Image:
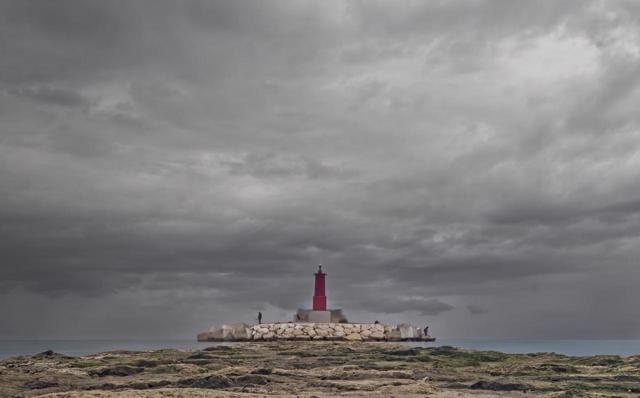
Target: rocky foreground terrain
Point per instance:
(319, 369)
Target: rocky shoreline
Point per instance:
(319, 369)
(314, 331)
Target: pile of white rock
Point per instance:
(314, 331)
(319, 331)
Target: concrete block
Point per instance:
(320, 316)
(407, 331)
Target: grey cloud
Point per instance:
(476, 309)
(181, 164)
(385, 304)
(270, 164)
(51, 95)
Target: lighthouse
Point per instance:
(319, 296)
(319, 312)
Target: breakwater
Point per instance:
(315, 331)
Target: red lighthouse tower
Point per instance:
(319, 313)
(319, 297)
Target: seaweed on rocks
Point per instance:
(252, 379)
(212, 382)
(121, 370)
(500, 386)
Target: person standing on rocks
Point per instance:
(259, 317)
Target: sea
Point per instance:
(10, 348)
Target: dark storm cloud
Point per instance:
(476, 309)
(51, 95)
(421, 306)
(179, 164)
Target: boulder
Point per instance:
(393, 335)
(354, 337)
(407, 331)
(213, 334)
(236, 331)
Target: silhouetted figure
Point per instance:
(259, 317)
(376, 322)
(298, 317)
(426, 330)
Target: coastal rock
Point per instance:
(500, 386)
(214, 382)
(116, 371)
(236, 331)
(251, 379)
(407, 331)
(40, 384)
(393, 335)
(308, 331)
(352, 369)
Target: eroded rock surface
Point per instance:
(320, 369)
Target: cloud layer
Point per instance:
(471, 165)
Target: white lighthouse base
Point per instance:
(320, 316)
(335, 316)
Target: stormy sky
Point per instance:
(471, 165)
